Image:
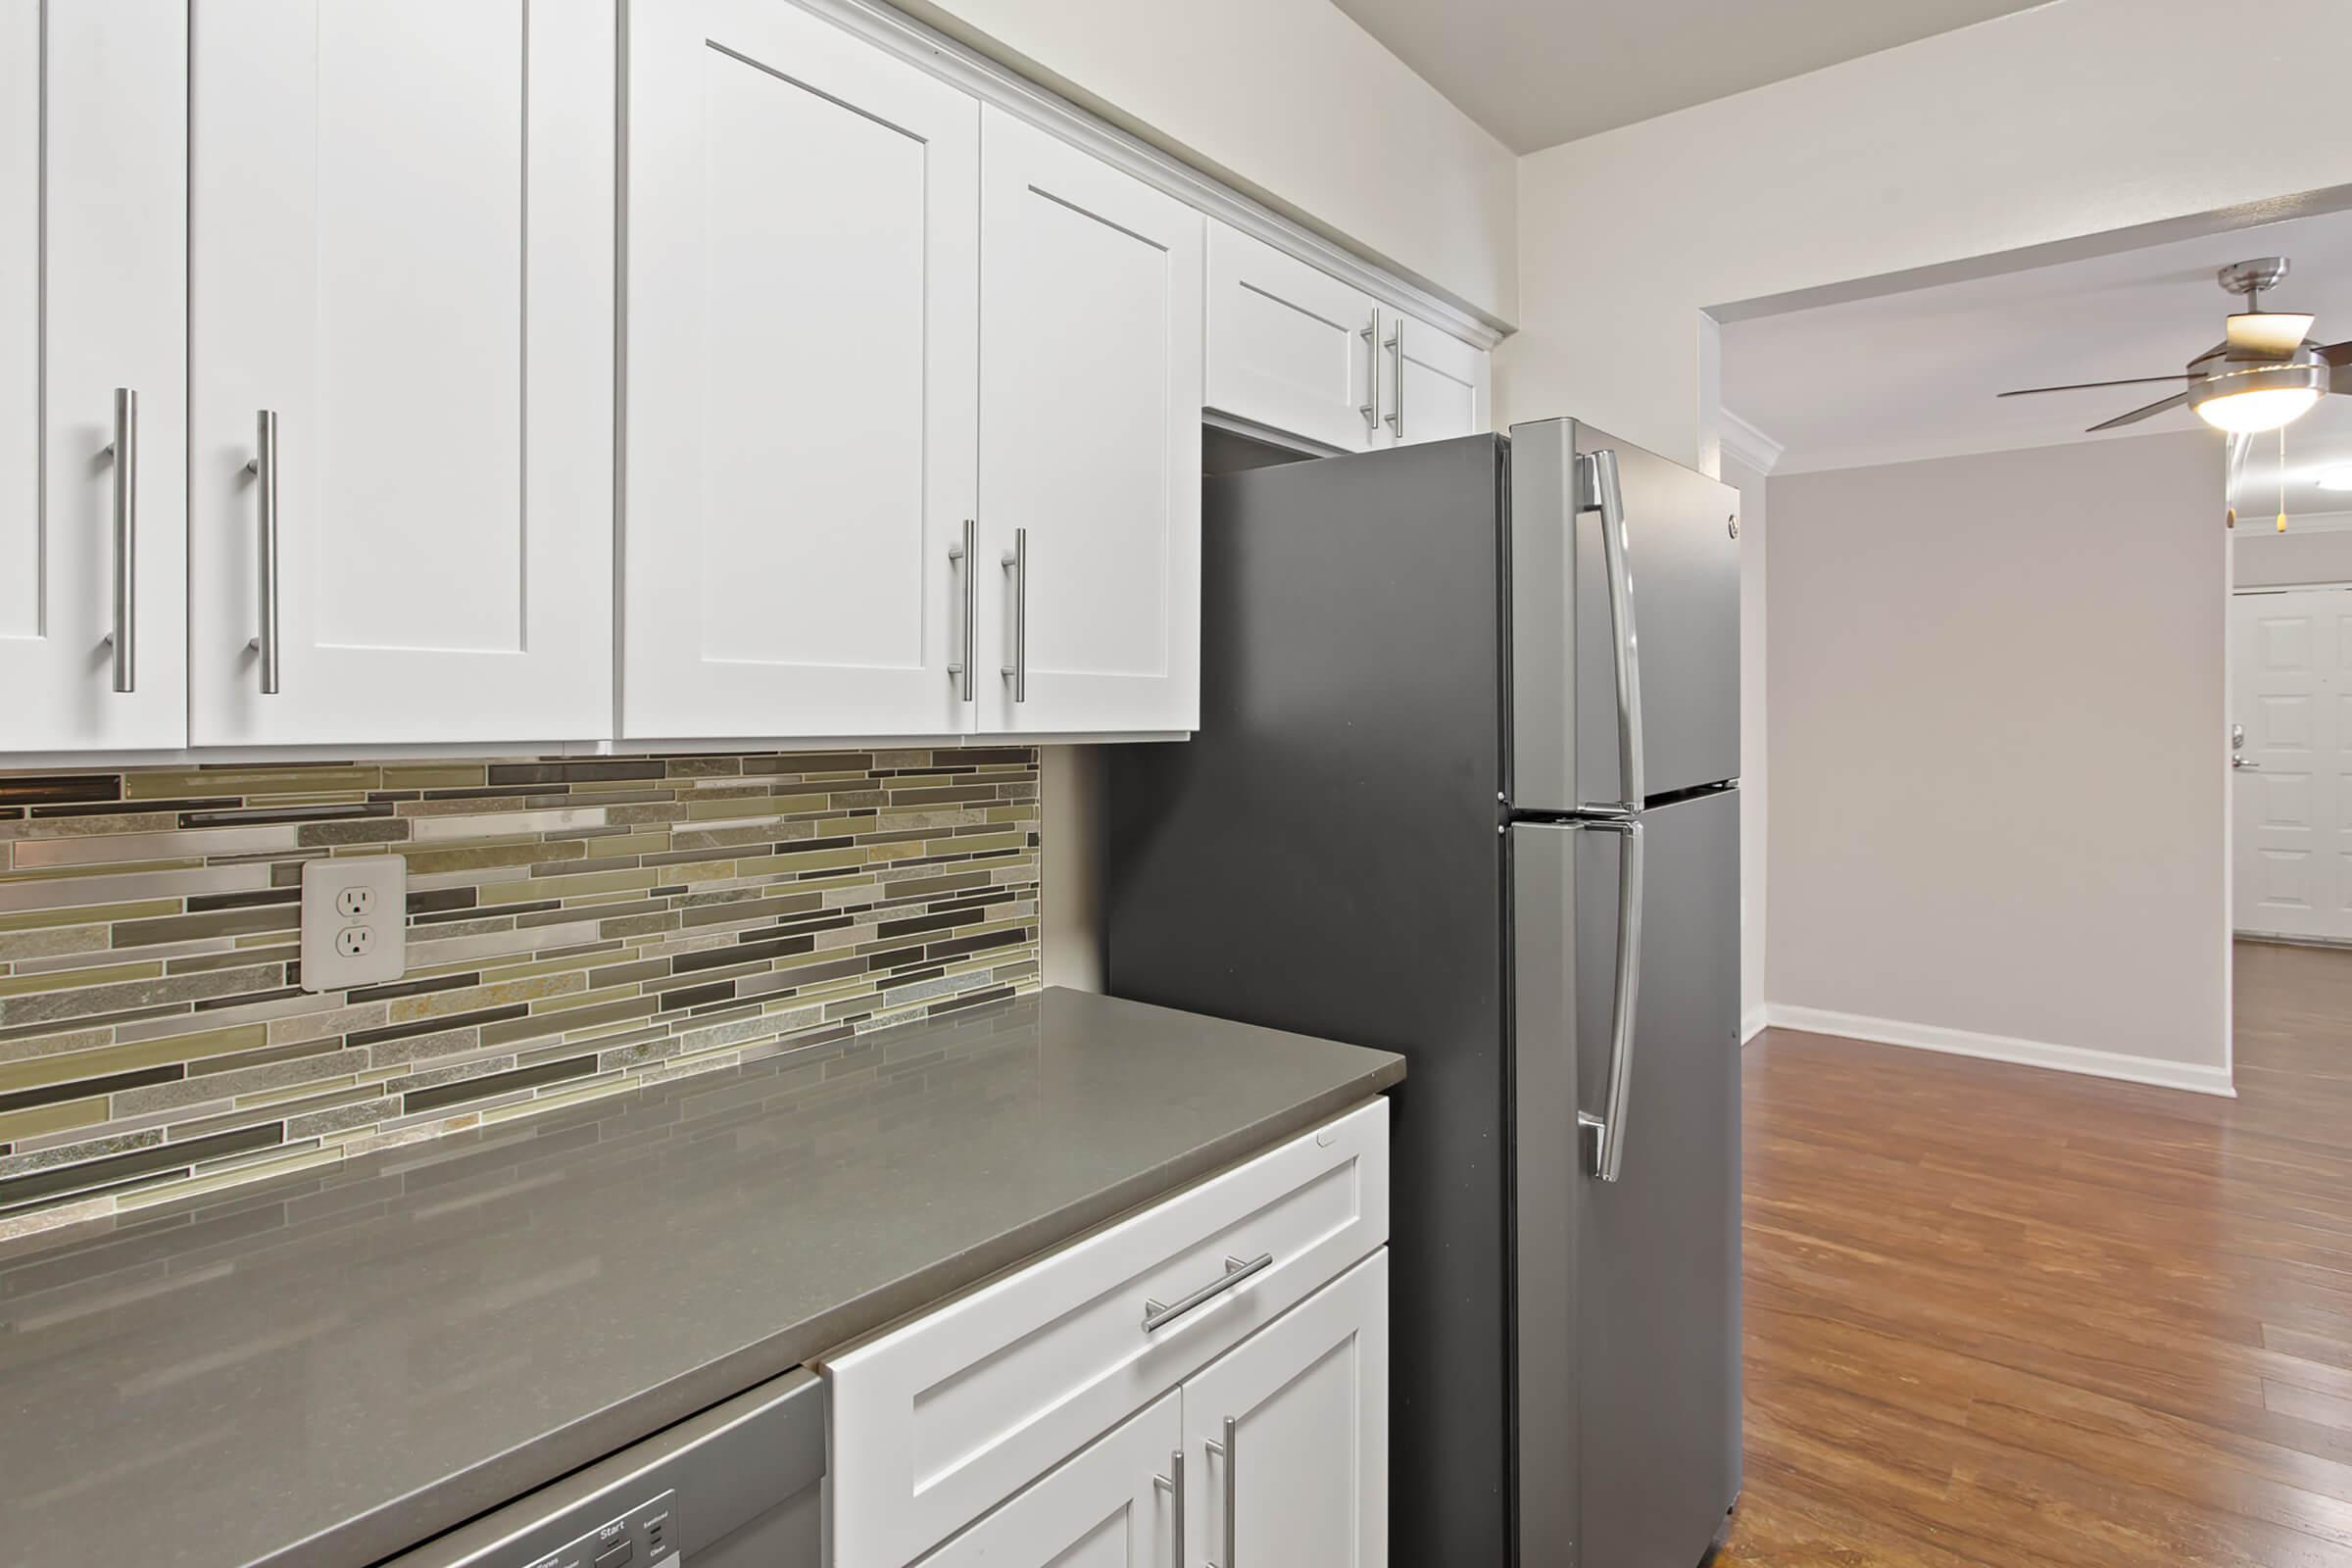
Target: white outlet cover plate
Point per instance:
(384, 875)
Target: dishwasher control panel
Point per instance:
(646, 1537)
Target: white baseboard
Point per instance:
(1751, 1023)
(2197, 1078)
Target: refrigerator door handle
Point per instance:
(1597, 490)
(1607, 1130)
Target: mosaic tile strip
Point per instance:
(576, 928)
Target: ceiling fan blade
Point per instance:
(2337, 353)
(2138, 414)
(2267, 335)
(2085, 386)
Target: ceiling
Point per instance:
(1914, 375)
(1538, 72)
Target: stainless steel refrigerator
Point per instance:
(1465, 787)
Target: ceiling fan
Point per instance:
(2264, 374)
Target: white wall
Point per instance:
(1997, 770)
(1742, 474)
(1291, 101)
(2031, 131)
(2308, 552)
(1070, 869)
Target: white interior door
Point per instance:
(1286, 1437)
(1089, 440)
(2291, 670)
(1111, 1506)
(1438, 384)
(93, 297)
(402, 245)
(1289, 347)
(803, 365)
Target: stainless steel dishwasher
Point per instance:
(742, 1484)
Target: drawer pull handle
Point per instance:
(1156, 1313)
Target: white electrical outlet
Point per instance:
(354, 921)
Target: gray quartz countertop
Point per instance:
(328, 1369)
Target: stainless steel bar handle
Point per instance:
(1016, 560)
(1156, 1313)
(126, 539)
(1597, 490)
(1395, 344)
(963, 555)
(263, 468)
(1607, 1130)
(1370, 406)
(1173, 1484)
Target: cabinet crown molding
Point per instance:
(993, 83)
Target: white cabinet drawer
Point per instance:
(939, 1420)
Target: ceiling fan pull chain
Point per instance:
(2282, 478)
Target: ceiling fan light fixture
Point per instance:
(2251, 401)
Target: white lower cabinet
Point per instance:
(1276, 1454)
(1259, 1295)
(1286, 1438)
(1113, 1505)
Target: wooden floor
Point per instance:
(2000, 1317)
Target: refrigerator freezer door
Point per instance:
(1628, 1293)
(1682, 565)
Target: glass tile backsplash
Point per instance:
(575, 927)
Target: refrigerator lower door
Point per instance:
(1626, 1322)
(1675, 575)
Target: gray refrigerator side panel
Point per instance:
(1323, 856)
(1657, 1251)
(1683, 560)
(1547, 1168)
(1543, 646)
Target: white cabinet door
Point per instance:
(1437, 384)
(1109, 1506)
(1286, 1439)
(1289, 347)
(402, 246)
(803, 236)
(93, 297)
(1090, 442)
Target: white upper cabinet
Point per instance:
(1297, 351)
(1436, 384)
(803, 353)
(1287, 1438)
(93, 299)
(1290, 346)
(401, 249)
(1090, 442)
